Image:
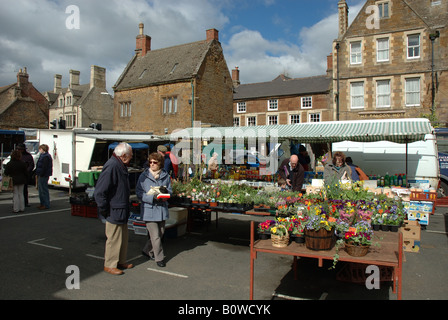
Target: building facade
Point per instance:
(281, 101)
(392, 61)
(22, 105)
(167, 89)
(80, 105)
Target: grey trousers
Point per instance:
(116, 244)
(153, 246)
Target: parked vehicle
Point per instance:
(442, 146)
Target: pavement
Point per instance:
(50, 249)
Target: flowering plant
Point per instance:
(298, 224)
(360, 234)
(320, 217)
(265, 226)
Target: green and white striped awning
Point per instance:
(394, 130)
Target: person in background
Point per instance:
(174, 162)
(154, 211)
(292, 172)
(44, 169)
(357, 173)
(213, 163)
(168, 166)
(29, 161)
(304, 158)
(337, 169)
(16, 169)
(112, 192)
(282, 184)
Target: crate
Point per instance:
(91, 211)
(79, 210)
(140, 228)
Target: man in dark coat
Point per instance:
(293, 173)
(44, 169)
(29, 161)
(112, 192)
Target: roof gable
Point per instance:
(164, 65)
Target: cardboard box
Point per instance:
(411, 230)
(411, 245)
(420, 211)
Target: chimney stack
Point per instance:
(143, 42)
(74, 78)
(212, 34)
(330, 64)
(97, 77)
(236, 77)
(57, 83)
(343, 17)
(22, 78)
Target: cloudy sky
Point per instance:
(264, 38)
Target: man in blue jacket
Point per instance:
(112, 192)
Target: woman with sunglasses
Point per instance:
(154, 210)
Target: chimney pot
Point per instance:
(343, 17)
(236, 77)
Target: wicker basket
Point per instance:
(356, 251)
(280, 241)
(319, 240)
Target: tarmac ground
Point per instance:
(49, 248)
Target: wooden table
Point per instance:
(388, 254)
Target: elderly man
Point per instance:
(112, 192)
(293, 173)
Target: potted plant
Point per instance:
(279, 234)
(319, 229)
(298, 226)
(264, 229)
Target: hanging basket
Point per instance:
(356, 251)
(280, 241)
(319, 240)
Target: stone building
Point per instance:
(22, 105)
(281, 101)
(166, 89)
(80, 105)
(392, 61)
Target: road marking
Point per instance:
(95, 257)
(169, 273)
(43, 245)
(439, 232)
(20, 215)
(284, 296)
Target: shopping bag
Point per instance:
(7, 183)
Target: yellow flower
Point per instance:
(274, 230)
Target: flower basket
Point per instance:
(319, 240)
(356, 251)
(280, 241)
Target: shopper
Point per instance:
(304, 158)
(44, 169)
(112, 192)
(27, 158)
(16, 169)
(168, 166)
(357, 173)
(154, 211)
(293, 173)
(337, 169)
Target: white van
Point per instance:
(381, 157)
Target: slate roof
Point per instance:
(435, 16)
(283, 86)
(172, 64)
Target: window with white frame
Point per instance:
(272, 120)
(384, 9)
(70, 121)
(383, 93)
(357, 95)
(413, 46)
(412, 88)
(241, 107)
(314, 117)
(272, 104)
(236, 122)
(169, 105)
(355, 52)
(382, 49)
(61, 102)
(125, 109)
(294, 118)
(306, 102)
(252, 121)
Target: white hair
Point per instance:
(122, 149)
